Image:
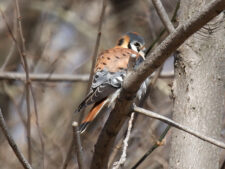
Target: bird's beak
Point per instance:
(142, 52)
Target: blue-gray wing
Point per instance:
(104, 84)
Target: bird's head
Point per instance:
(133, 41)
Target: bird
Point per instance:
(109, 72)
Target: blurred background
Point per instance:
(60, 38)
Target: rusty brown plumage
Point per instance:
(114, 59)
(110, 70)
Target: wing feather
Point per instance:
(104, 84)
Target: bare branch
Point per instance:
(164, 30)
(78, 148)
(11, 50)
(46, 77)
(26, 68)
(38, 126)
(134, 79)
(179, 126)
(163, 15)
(12, 143)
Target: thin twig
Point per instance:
(78, 148)
(156, 145)
(179, 126)
(47, 77)
(12, 143)
(12, 48)
(10, 32)
(38, 126)
(163, 15)
(26, 68)
(164, 30)
(122, 159)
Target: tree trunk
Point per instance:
(199, 92)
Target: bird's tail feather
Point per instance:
(92, 114)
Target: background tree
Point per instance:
(199, 92)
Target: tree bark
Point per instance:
(199, 92)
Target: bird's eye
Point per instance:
(137, 44)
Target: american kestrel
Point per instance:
(109, 72)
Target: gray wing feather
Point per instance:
(104, 84)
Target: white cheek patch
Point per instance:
(133, 47)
